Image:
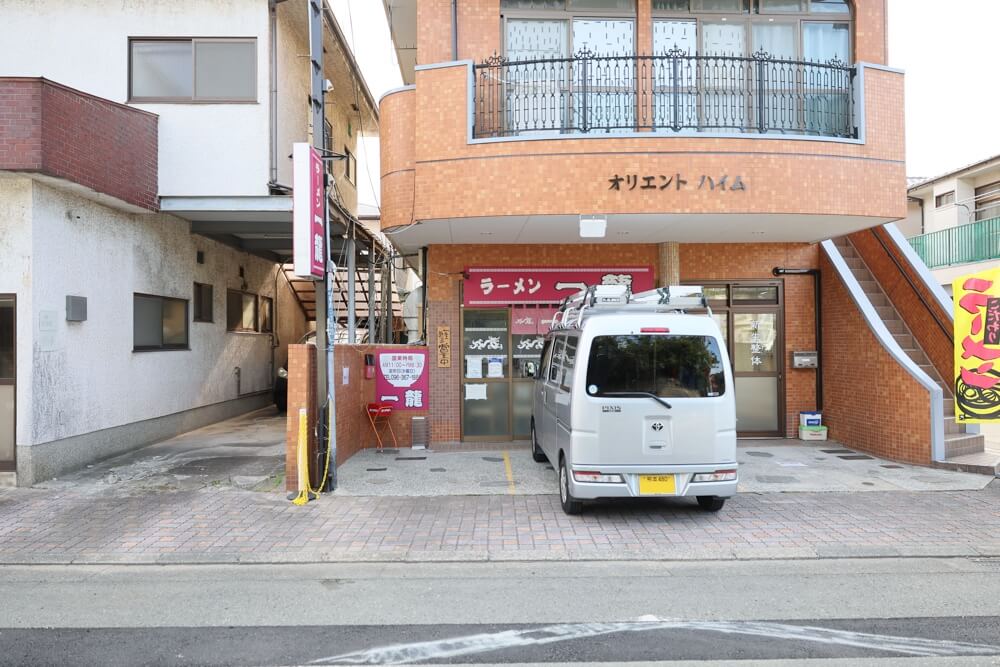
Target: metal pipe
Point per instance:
(454, 29)
(352, 324)
(372, 336)
(423, 293)
(818, 308)
(272, 6)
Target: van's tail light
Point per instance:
(584, 476)
(654, 330)
(717, 476)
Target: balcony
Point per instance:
(675, 93)
(964, 244)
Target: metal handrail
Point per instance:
(963, 244)
(671, 92)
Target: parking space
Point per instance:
(766, 466)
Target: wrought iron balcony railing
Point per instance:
(962, 244)
(674, 92)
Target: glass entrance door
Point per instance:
(486, 374)
(750, 316)
(8, 365)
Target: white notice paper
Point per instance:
(475, 392)
(494, 369)
(346, 375)
(474, 367)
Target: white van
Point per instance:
(634, 398)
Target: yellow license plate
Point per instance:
(657, 485)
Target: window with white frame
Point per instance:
(192, 70)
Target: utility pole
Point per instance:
(325, 318)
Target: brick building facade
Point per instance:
(505, 137)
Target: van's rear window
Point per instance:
(667, 366)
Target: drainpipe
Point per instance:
(272, 6)
(920, 203)
(818, 308)
(454, 29)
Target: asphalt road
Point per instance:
(875, 611)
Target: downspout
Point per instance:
(818, 309)
(272, 7)
(454, 29)
(920, 203)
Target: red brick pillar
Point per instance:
(301, 394)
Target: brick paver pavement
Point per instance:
(234, 525)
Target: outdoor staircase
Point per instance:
(963, 450)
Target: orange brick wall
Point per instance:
(871, 403)
(929, 323)
(354, 431)
(568, 176)
(716, 261)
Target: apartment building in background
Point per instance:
(953, 221)
(751, 146)
(145, 215)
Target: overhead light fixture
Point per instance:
(593, 226)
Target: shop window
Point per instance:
(202, 302)
(241, 311)
(159, 323)
(193, 70)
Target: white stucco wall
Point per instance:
(204, 149)
(16, 279)
(85, 375)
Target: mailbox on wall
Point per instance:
(805, 360)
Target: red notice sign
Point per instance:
(307, 212)
(402, 378)
(493, 286)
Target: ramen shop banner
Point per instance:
(977, 348)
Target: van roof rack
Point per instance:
(604, 298)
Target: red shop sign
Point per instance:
(402, 378)
(493, 286)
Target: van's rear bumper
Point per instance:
(683, 476)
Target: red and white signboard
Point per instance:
(491, 286)
(402, 378)
(307, 212)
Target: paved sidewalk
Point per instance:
(229, 524)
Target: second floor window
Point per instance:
(193, 70)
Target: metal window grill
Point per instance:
(673, 92)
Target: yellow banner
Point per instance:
(977, 347)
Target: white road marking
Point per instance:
(399, 654)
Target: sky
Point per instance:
(948, 49)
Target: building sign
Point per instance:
(678, 182)
(309, 252)
(402, 378)
(487, 286)
(444, 347)
(977, 348)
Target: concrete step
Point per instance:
(869, 287)
(879, 299)
(862, 274)
(961, 444)
(918, 356)
(983, 463)
(855, 263)
(905, 341)
(896, 327)
(933, 374)
(951, 425)
(887, 313)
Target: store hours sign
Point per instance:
(402, 378)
